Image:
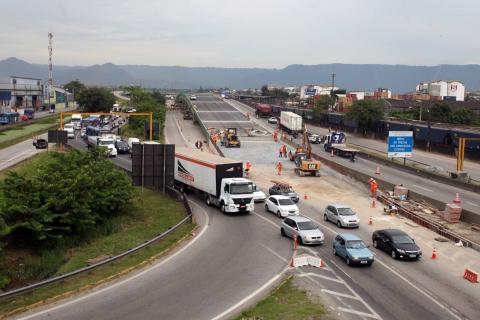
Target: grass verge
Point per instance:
(287, 303)
(19, 133)
(127, 132)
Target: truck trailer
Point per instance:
(291, 122)
(263, 110)
(220, 180)
(336, 142)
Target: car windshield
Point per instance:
(356, 244)
(345, 212)
(402, 239)
(286, 190)
(241, 188)
(105, 142)
(68, 126)
(307, 225)
(121, 144)
(285, 202)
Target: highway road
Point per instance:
(430, 188)
(18, 152)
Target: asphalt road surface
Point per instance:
(430, 188)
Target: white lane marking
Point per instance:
(336, 293)
(362, 314)
(275, 253)
(178, 127)
(473, 204)
(114, 285)
(311, 274)
(228, 121)
(250, 296)
(426, 189)
(18, 155)
(336, 265)
(419, 289)
(267, 220)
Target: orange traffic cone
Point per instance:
(373, 204)
(295, 243)
(305, 196)
(370, 221)
(434, 254)
(457, 198)
(332, 154)
(378, 170)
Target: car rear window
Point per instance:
(285, 202)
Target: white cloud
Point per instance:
(247, 33)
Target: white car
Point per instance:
(282, 206)
(69, 127)
(258, 194)
(272, 120)
(83, 132)
(131, 141)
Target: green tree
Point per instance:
(321, 107)
(441, 112)
(463, 116)
(74, 86)
(96, 99)
(366, 113)
(68, 195)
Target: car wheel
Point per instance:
(347, 260)
(282, 232)
(334, 251)
(279, 214)
(339, 224)
(266, 208)
(375, 243)
(325, 217)
(394, 254)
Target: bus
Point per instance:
(9, 117)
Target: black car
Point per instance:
(121, 146)
(396, 242)
(41, 144)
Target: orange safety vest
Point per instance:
(248, 165)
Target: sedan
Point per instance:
(41, 144)
(272, 120)
(258, 194)
(121, 146)
(284, 190)
(351, 248)
(306, 231)
(314, 138)
(282, 206)
(397, 243)
(341, 215)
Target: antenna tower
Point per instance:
(50, 71)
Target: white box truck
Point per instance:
(77, 121)
(290, 122)
(219, 179)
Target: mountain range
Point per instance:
(397, 78)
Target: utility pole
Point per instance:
(50, 71)
(331, 91)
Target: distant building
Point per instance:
(311, 90)
(19, 93)
(442, 90)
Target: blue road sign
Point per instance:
(400, 144)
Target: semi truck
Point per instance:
(263, 110)
(336, 142)
(220, 180)
(290, 122)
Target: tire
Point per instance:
(334, 251)
(339, 224)
(394, 254)
(266, 208)
(347, 260)
(222, 207)
(279, 214)
(375, 243)
(282, 232)
(208, 202)
(325, 218)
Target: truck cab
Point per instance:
(236, 195)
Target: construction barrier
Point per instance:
(307, 260)
(471, 275)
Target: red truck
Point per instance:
(263, 110)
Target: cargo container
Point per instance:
(263, 110)
(220, 180)
(290, 122)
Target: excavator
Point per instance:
(304, 164)
(231, 138)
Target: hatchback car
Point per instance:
(351, 248)
(397, 243)
(314, 138)
(272, 120)
(306, 230)
(341, 215)
(121, 146)
(282, 206)
(283, 189)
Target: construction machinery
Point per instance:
(230, 138)
(304, 164)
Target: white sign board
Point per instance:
(400, 144)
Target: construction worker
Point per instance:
(279, 168)
(248, 166)
(275, 136)
(373, 187)
(280, 152)
(284, 151)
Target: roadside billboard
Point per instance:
(400, 144)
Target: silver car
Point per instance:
(306, 230)
(341, 215)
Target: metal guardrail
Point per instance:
(59, 278)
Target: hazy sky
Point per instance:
(242, 33)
